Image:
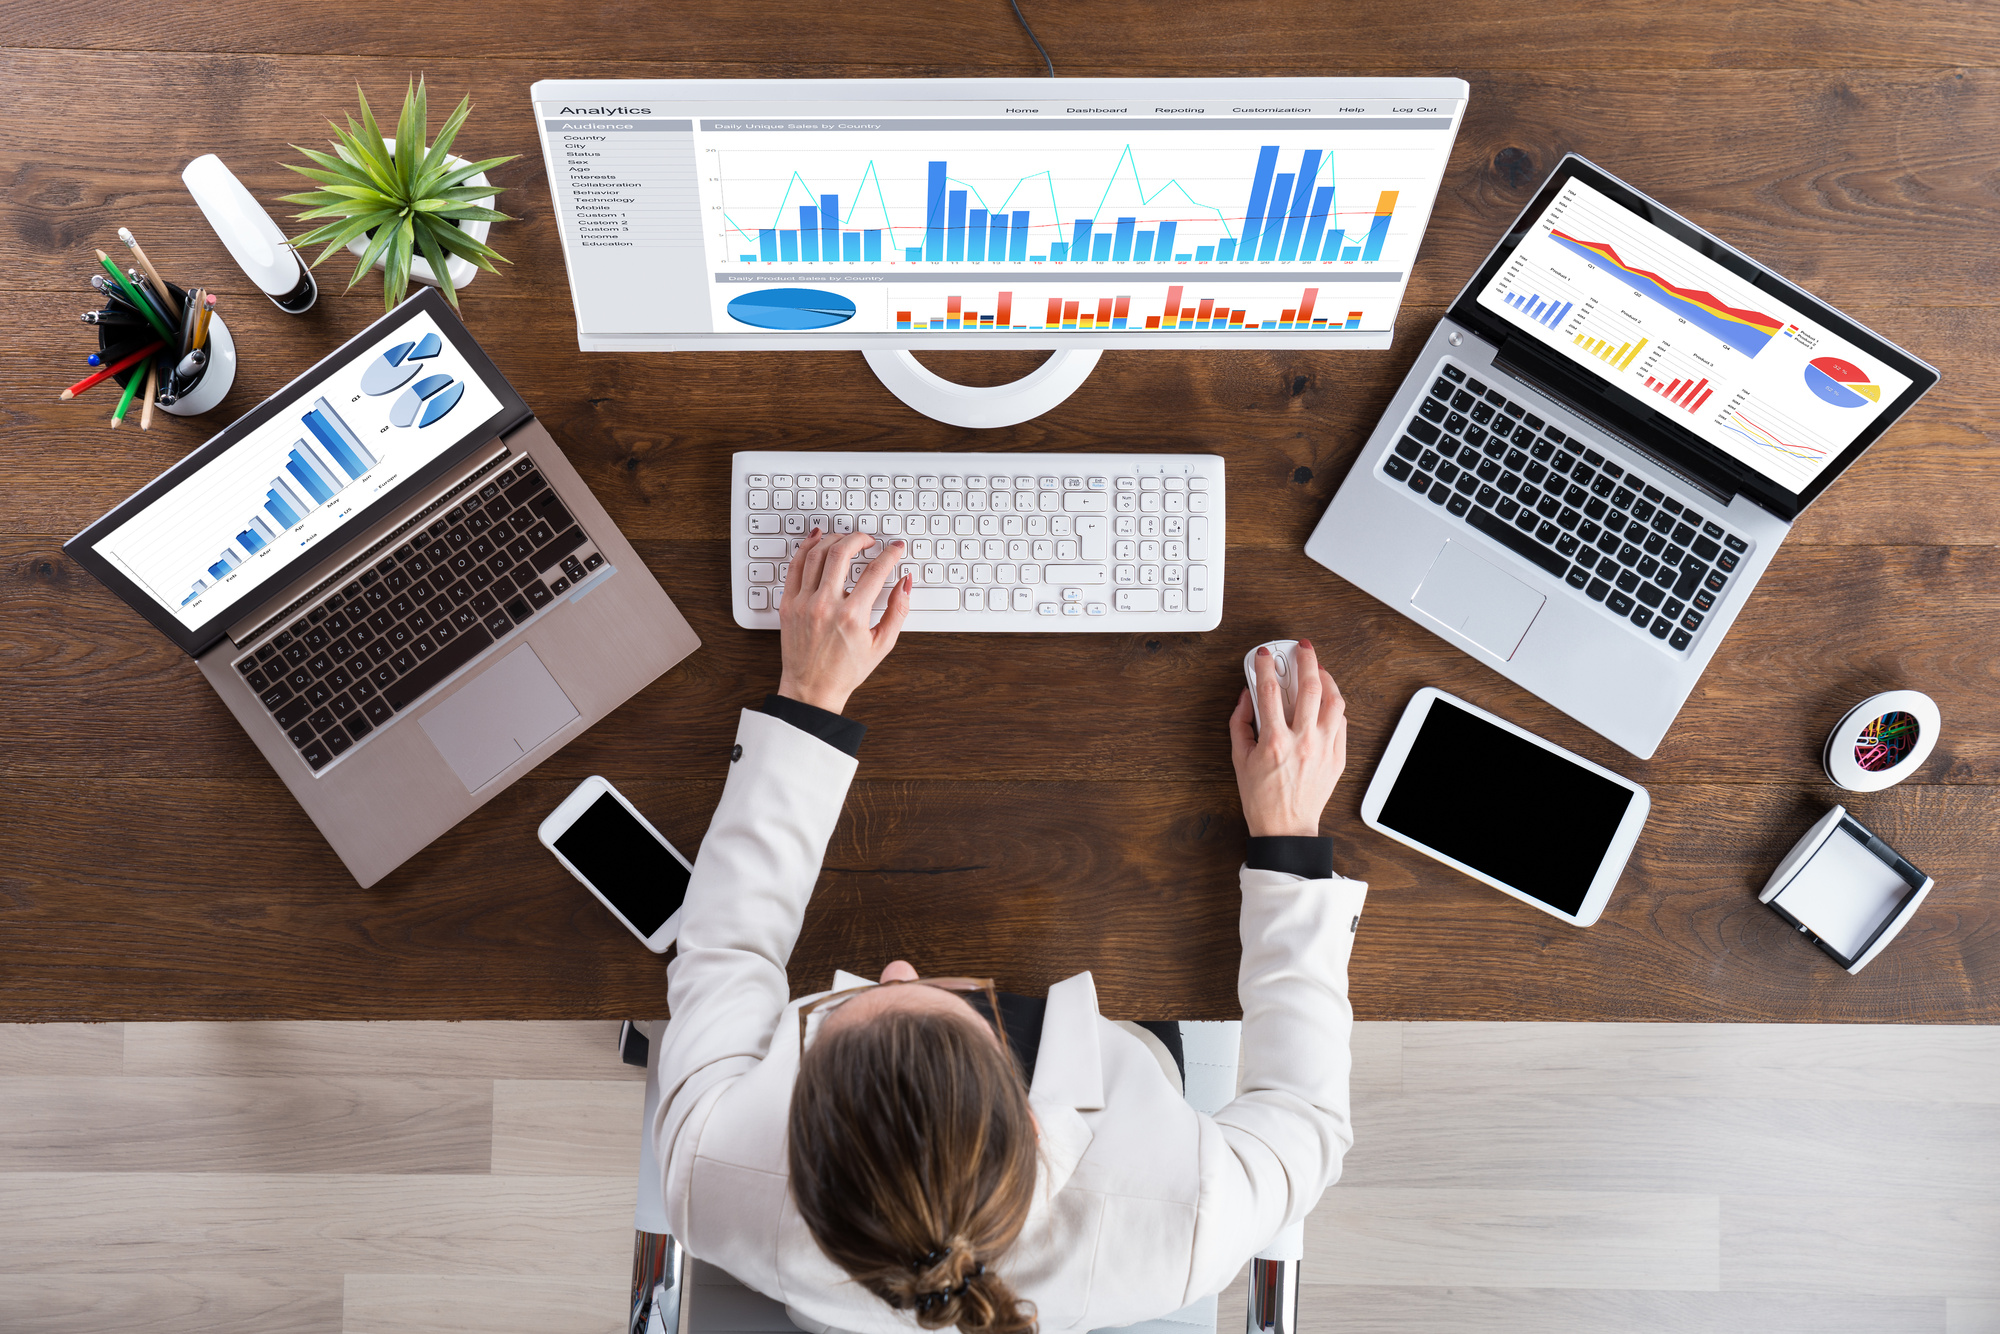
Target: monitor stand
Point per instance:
(1000, 405)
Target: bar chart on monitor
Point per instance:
(1065, 196)
(1125, 307)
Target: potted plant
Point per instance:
(409, 210)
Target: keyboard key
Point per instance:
(1459, 504)
(1704, 547)
(1726, 561)
(316, 754)
(1681, 639)
(337, 740)
(1661, 627)
(1396, 467)
(378, 711)
(276, 695)
(1619, 603)
(1519, 543)
(1409, 448)
(1689, 579)
(1420, 481)
(301, 734)
(1439, 493)
(1597, 590)
(1650, 594)
(1578, 577)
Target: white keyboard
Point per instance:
(998, 542)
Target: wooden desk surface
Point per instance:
(1027, 807)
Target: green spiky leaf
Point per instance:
(440, 268)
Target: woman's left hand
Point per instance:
(828, 645)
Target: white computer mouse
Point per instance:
(1283, 656)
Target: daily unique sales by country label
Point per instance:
(1104, 202)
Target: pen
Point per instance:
(154, 299)
(159, 283)
(125, 402)
(125, 315)
(152, 382)
(132, 294)
(113, 292)
(191, 365)
(110, 354)
(187, 318)
(109, 371)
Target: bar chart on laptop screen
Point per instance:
(242, 517)
(1703, 347)
(1341, 207)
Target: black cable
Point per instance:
(1031, 37)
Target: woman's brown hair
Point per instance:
(912, 1157)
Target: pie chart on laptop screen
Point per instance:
(1841, 383)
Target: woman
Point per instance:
(879, 1156)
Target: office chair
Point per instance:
(674, 1293)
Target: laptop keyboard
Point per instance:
(1649, 558)
(350, 664)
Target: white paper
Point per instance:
(1843, 893)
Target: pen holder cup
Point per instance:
(213, 383)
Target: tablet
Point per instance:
(1505, 807)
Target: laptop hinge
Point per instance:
(362, 559)
(1719, 495)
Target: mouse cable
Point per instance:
(1031, 37)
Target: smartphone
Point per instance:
(602, 840)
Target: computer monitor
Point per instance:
(735, 215)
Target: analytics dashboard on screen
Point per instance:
(893, 213)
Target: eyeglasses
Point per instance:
(963, 986)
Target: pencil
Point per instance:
(152, 382)
(159, 283)
(201, 320)
(125, 402)
(143, 306)
(109, 371)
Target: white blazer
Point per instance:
(1143, 1205)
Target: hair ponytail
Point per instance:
(912, 1155)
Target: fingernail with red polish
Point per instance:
(897, 543)
(813, 533)
(1263, 652)
(1305, 643)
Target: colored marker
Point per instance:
(112, 353)
(109, 371)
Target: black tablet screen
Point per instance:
(1503, 805)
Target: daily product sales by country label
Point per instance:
(1709, 350)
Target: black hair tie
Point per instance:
(943, 1295)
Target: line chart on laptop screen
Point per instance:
(1705, 349)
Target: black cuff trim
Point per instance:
(1309, 857)
(843, 734)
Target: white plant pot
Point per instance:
(461, 270)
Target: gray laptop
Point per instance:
(1599, 449)
(396, 582)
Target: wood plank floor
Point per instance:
(389, 1178)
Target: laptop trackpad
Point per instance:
(1478, 599)
(505, 712)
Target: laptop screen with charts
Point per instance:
(880, 213)
(242, 518)
(1751, 383)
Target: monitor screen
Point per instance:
(914, 213)
(240, 519)
(1621, 299)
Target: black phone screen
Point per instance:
(627, 865)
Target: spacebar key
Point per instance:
(1512, 538)
(408, 689)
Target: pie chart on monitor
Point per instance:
(1841, 383)
(791, 308)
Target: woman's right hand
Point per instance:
(1286, 776)
(829, 647)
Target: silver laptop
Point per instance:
(1598, 451)
(396, 582)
